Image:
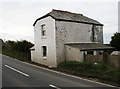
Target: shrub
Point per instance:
(17, 49)
(87, 69)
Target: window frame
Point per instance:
(44, 51)
(43, 30)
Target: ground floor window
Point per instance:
(90, 52)
(44, 49)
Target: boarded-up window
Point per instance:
(44, 48)
(43, 28)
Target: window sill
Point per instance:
(44, 58)
(43, 37)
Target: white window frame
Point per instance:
(43, 30)
(44, 51)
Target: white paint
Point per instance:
(48, 41)
(17, 70)
(54, 86)
(32, 55)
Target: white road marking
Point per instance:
(17, 70)
(54, 86)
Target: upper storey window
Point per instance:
(43, 28)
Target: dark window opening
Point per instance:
(44, 51)
(90, 52)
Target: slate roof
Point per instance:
(69, 16)
(90, 46)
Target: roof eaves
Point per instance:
(42, 18)
(77, 21)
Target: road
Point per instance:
(19, 74)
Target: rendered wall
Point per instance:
(32, 55)
(74, 54)
(48, 41)
(72, 32)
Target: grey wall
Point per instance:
(71, 32)
(74, 54)
(98, 30)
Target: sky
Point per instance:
(17, 16)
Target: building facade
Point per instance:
(56, 31)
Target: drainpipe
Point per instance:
(93, 34)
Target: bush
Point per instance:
(17, 49)
(115, 41)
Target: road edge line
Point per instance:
(17, 70)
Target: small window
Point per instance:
(90, 52)
(44, 48)
(43, 28)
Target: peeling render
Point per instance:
(75, 33)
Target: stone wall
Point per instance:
(93, 58)
(112, 61)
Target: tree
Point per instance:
(115, 42)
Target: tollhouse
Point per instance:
(65, 36)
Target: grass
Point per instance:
(90, 70)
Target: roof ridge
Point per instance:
(67, 12)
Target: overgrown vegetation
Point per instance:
(17, 49)
(91, 70)
(115, 42)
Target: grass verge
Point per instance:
(23, 56)
(92, 71)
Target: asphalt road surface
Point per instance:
(19, 74)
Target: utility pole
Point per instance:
(119, 17)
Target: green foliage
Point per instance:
(87, 69)
(17, 49)
(21, 46)
(115, 42)
(82, 66)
